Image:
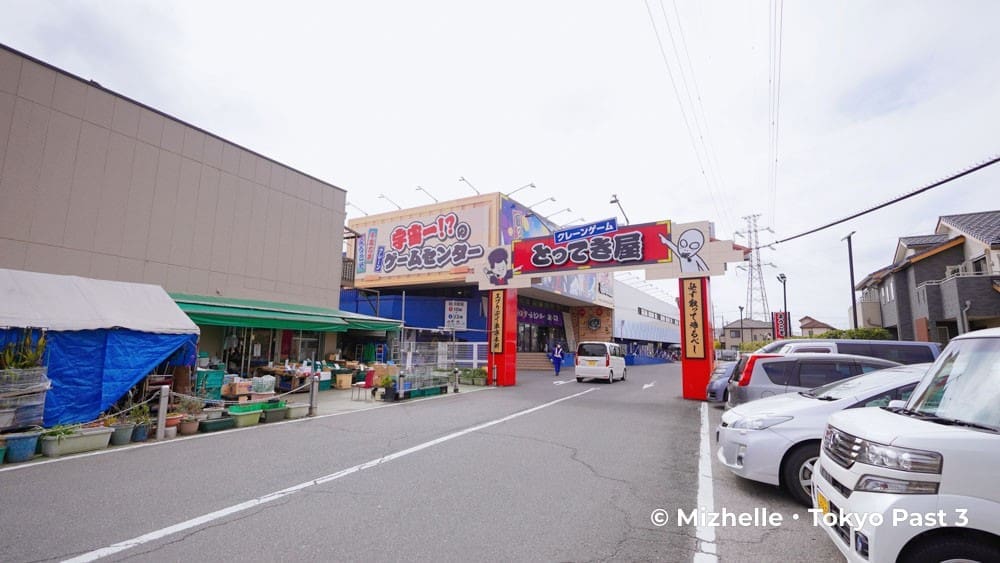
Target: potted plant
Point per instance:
(142, 419)
(63, 439)
(121, 429)
(213, 412)
(479, 376)
(389, 385)
(188, 425)
(465, 376)
(21, 445)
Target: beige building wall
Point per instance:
(96, 185)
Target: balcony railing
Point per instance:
(979, 267)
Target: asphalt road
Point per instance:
(549, 470)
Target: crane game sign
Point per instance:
(662, 249)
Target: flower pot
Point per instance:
(21, 446)
(216, 424)
(172, 420)
(242, 419)
(296, 410)
(169, 432)
(389, 395)
(3, 453)
(140, 433)
(84, 440)
(213, 412)
(479, 381)
(121, 434)
(188, 427)
(274, 415)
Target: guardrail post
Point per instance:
(313, 393)
(161, 413)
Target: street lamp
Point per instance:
(577, 220)
(422, 189)
(850, 260)
(541, 202)
(784, 299)
(383, 196)
(614, 199)
(356, 207)
(512, 192)
(741, 326)
(551, 215)
(462, 179)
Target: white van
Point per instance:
(917, 481)
(600, 360)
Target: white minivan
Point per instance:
(600, 360)
(918, 481)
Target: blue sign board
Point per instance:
(578, 232)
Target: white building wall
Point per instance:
(96, 185)
(629, 323)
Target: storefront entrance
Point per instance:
(539, 327)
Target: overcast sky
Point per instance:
(876, 99)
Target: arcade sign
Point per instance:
(663, 249)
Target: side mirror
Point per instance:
(897, 404)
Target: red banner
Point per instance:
(633, 245)
(779, 325)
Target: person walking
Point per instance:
(557, 357)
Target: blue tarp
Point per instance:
(91, 369)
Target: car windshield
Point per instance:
(964, 384)
(587, 349)
(859, 384)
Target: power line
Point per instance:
(917, 191)
(680, 103)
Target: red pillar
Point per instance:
(503, 337)
(697, 342)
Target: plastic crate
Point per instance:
(216, 424)
(272, 405)
(325, 384)
(28, 409)
(248, 407)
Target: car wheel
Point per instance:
(955, 548)
(796, 472)
(611, 377)
(725, 395)
(579, 380)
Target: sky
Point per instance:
(670, 104)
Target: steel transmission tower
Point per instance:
(756, 294)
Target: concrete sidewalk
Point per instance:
(334, 401)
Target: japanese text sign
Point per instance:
(692, 323)
(630, 246)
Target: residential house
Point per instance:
(938, 285)
(752, 331)
(810, 327)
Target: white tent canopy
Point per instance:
(63, 303)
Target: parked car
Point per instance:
(765, 375)
(601, 360)
(776, 440)
(717, 390)
(902, 351)
(924, 472)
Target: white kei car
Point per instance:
(776, 440)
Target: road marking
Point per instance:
(206, 518)
(706, 552)
(562, 382)
(648, 385)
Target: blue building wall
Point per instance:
(421, 311)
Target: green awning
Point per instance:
(248, 313)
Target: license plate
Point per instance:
(824, 504)
(591, 362)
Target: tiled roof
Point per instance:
(922, 240)
(984, 225)
(809, 322)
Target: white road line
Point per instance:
(706, 552)
(648, 385)
(206, 518)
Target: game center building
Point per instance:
(413, 264)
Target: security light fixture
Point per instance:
(383, 196)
